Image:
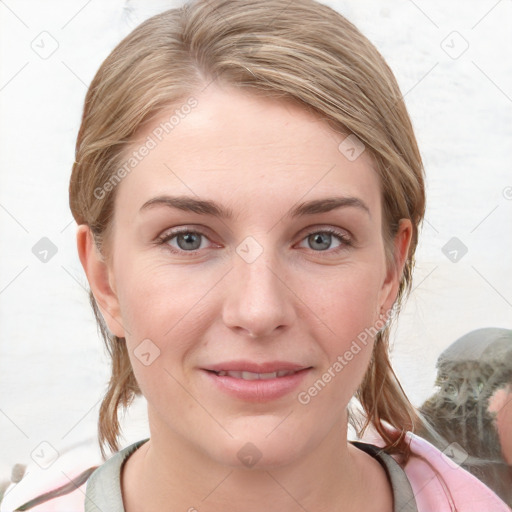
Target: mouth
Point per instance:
(256, 382)
(255, 376)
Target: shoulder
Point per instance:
(69, 484)
(438, 480)
(440, 483)
(104, 486)
(56, 483)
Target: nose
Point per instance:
(257, 300)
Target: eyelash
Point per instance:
(345, 240)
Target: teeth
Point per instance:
(255, 376)
(250, 375)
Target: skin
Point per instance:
(294, 302)
(501, 405)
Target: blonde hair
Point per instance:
(303, 51)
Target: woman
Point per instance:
(248, 190)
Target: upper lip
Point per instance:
(251, 366)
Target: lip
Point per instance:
(259, 390)
(251, 366)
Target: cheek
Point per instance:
(351, 314)
(156, 297)
(351, 303)
(165, 310)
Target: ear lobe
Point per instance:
(401, 245)
(98, 275)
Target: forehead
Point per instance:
(236, 146)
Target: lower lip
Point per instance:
(260, 390)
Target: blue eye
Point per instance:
(323, 240)
(187, 240)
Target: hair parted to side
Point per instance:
(303, 51)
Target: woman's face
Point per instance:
(248, 242)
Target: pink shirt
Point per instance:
(438, 484)
(441, 485)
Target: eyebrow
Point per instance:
(208, 207)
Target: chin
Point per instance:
(255, 449)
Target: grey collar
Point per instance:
(104, 485)
(403, 496)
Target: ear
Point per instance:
(391, 284)
(100, 279)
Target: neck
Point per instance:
(167, 470)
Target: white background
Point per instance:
(53, 369)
